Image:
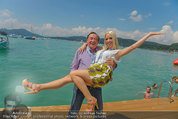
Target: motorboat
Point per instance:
(4, 41)
(30, 37)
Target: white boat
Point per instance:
(13, 36)
(4, 42)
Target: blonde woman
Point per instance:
(98, 75)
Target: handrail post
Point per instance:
(170, 90)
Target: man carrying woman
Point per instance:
(98, 75)
(82, 60)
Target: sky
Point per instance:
(130, 19)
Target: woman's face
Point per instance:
(109, 41)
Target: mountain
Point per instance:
(122, 42)
(150, 45)
(128, 42)
(22, 32)
(71, 38)
(174, 46)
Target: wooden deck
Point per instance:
(155, 108)
(154, 104)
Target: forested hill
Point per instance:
(150, 45)
(122, 42)
(22, 32)
(128, 42)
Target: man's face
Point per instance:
(92, 41)
(10, 105)
(148, 90)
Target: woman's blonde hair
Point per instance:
(114, 38)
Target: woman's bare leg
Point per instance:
(56, 83)
(81, 79)
(35, 88)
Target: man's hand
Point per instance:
(111, 62)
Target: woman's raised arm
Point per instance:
(135, 45)
(83, 47)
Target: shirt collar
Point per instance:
(96, 49)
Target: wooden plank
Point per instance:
(131, 105)
(155, 108)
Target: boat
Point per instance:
(30, 37)
(175, 62)
(4, 41)
(13, 36)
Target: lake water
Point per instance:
(45, 60)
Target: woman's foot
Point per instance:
(32, 87)
(91, 103)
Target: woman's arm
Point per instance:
(135, 45)
(82, 48)
(99, 47)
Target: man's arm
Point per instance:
(75, 62)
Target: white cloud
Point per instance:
(135, 16)
(169, 36)
(122, 19)
(5, 13)
(48, 29)
(47, 26)
(8, 23)
(148, 15)
(171, 22)
(133, 13)
(175, 37)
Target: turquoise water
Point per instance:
(45, 60)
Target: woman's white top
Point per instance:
(103, 55)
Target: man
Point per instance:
(175, 93)
(10, 103)
(175, 79)
(83, 61)
(148, 93)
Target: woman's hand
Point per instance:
(83, 47)
(127, 50)
(111, 62)
(154, 33)
(99, 47)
